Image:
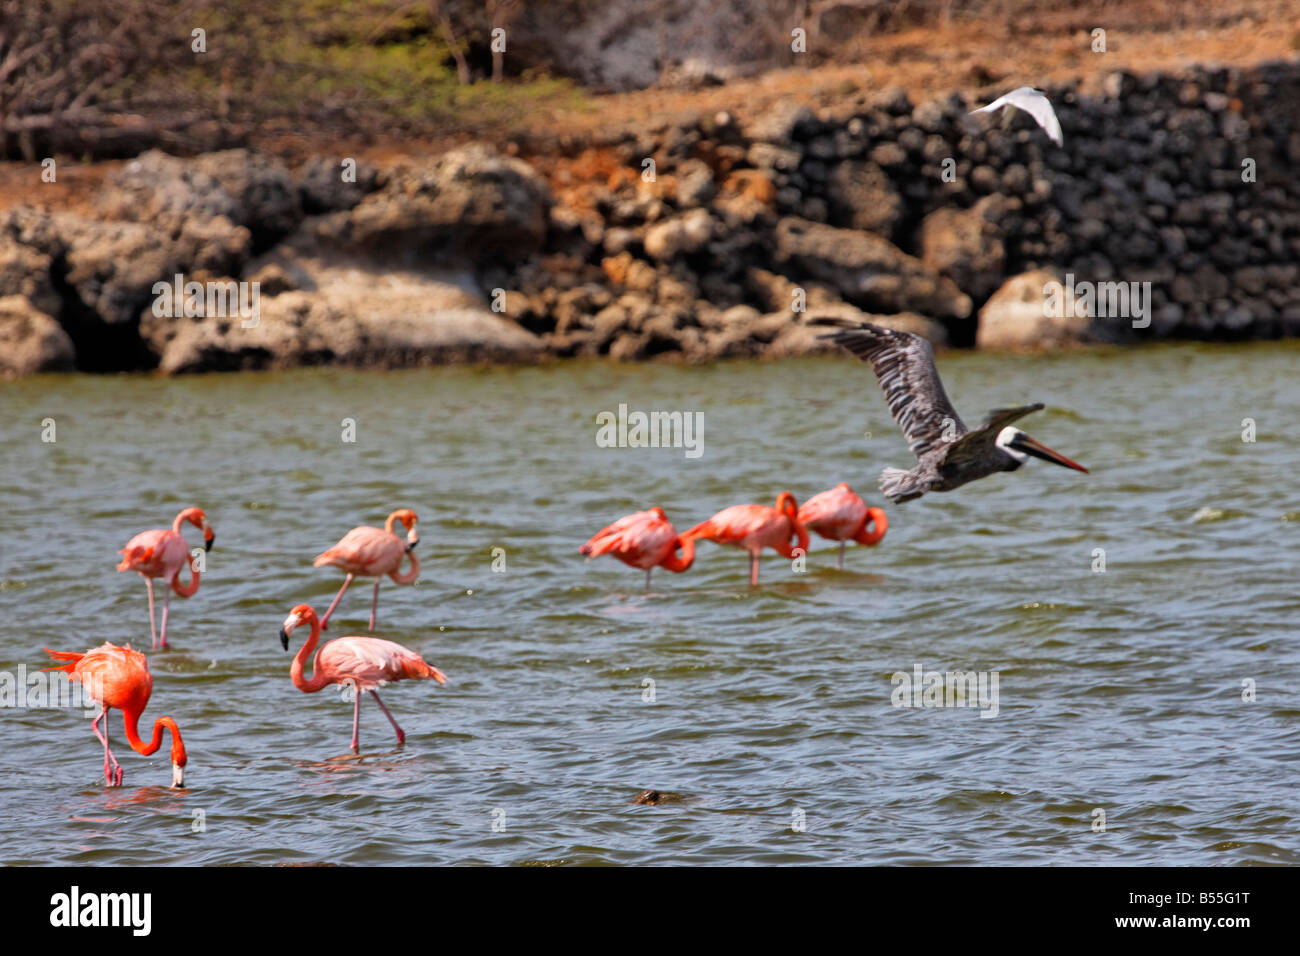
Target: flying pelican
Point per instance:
(1036, 104)
(950, 454)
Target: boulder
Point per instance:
(782, 123)
(241, 186)
(98, 276)
(354, 313)
(31, 341)
(963, 245)
(26, 257)
(742, 332)
(679, 236)
(1017, 316)
(862, 196)
(267, 200)
(693, 184)
(470, 202)
(112, 266)
(802, 338)
(867, 270)
(164, 191)
(323, 190)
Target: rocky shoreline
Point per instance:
(701, 240)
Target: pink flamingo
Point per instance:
(755, 527)
(642, 540)
(365, 663)
(162, 553)
(840, 515)
(119, 677)
(370, 552)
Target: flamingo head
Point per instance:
(196, 517)
(302, 613)
(178, 755)
(408, 519)
(786, 505)
(659, 513)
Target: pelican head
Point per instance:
(1019, 446)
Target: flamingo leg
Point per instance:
(843, 544)
(374, 605)
(401, 734)
(753, 569)
(356, 716)
(167, 599)
(647, 579)
(153, 631)
(108, 754)
(324, 622)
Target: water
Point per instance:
(1119, 690)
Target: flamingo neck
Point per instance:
(131, 720)
(318, 679)
(410, 576)
(874, 526)
(186, 590)
(798, 529)
(180, 520)
(391, 523)
(679, 564)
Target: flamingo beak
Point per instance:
(178, 776)
(289, 624)
(209, 536)
(412, 538)
(1036, 448)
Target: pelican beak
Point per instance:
(1036, 448)
(178, 776)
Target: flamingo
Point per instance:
(369, 552)
(365, 663)
(642, 540)
(161, 553)
(755, 527)
(838, 514)
(119, 677)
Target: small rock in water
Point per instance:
(1209, 514)
(655, 797)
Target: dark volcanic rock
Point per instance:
(862, 196)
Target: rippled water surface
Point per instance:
(1120, 690)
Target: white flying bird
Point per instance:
(1035, 103)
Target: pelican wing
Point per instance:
(975, 445)
(904, 365)
(1000, 418)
